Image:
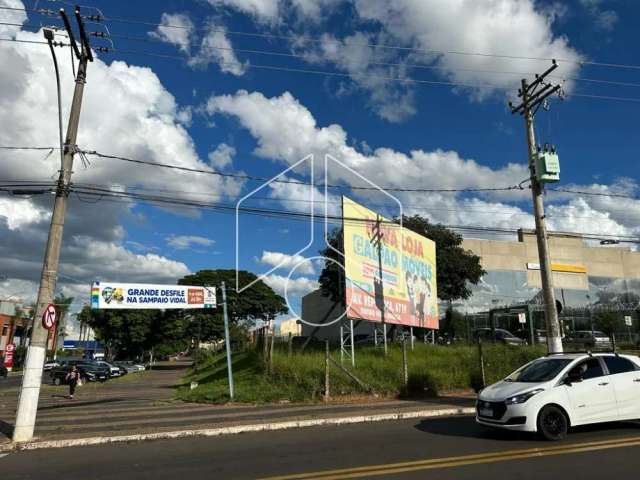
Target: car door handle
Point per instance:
(603, 384)
(637, 380)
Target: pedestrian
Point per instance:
(73, 379)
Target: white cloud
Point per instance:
(390, 100)
(126, 111)
(263, 10)
(185, 242)
(216, 48)
(504, 27)
(287, 262)
(20, 212)
(222, 156)
(176, 29)
(605, 19)
(296, 287)
(285, 130)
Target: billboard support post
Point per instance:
(353, 352)
(341, 343)
(326, 370)
(411, 337)
(226, 339)
(405, 368)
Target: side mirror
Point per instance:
(574, 376)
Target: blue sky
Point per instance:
(211, 108)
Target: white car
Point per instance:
(113, 370)
(553, 393)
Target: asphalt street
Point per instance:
(446, 448)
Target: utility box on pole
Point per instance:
(547, 166)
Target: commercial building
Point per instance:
(584, 274)
(588, 278)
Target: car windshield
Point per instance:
(541, 370)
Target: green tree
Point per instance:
(259, 302)
(457, 268)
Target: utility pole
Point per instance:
(227, 340)
(533, 96)
(32, 378)
(378, 284)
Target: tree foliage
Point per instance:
(259, 302)
(456, 267)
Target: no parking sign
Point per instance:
(49, 317)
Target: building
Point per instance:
(14, 324)
(587, 278)
(583, 274)
(291, 327)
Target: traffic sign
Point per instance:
(9, 349)
(49, 317)
(522, 317)
(627, 320)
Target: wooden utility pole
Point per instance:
(32, 378)
(533, 96)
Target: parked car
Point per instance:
(131, 367)
(552, 393)
(50, 364)
(89, 372)
(114, 370)
(587, 340)
(498, 335)
(539, 336)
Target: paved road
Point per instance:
(373, 450)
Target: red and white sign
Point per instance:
(49, 317)
(8, 355)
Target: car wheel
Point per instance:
(57, 381)
(552, 423)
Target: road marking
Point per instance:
(447, 462)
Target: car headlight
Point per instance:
(523, 397)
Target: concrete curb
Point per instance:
(259, 427)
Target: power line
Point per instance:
(306, 216)
(299, 182)
(377, 63)
(266, 179)
(298, 38)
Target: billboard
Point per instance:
(147, 296)
(408, 262)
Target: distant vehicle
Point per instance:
(114, 370)
(498, 335)
(364, 339)
(588, 340)
(553, 393)
(89, 372)
(50, 364)
(539, 336)
(131, 367)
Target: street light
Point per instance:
(49, 35)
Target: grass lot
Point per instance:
(432, 370)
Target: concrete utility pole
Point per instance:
(32, 378)
(533, 96)
(227, 340)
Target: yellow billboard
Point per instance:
(376, 248)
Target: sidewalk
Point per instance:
(142, 404)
